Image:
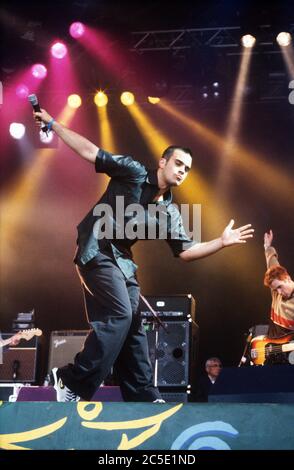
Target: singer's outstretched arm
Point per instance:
(229, 237)
(76, 142)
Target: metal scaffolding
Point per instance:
(223, 42)
(226, 37)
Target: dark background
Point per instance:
(36, 261)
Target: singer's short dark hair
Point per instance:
(168, 152)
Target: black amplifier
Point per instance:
(171, 307)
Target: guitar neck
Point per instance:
(26, 334)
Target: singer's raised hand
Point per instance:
(42, 116)
(75, 141)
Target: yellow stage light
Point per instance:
(248, 40)
(284, 39)
(74, 101)
(127, 98)
(100, 99)
(153, 99)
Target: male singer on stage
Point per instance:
(108, 273)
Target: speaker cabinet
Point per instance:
(19, 362)
(169, 307)
(64, 345)
(172, 352)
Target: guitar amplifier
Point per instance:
(19, 362)
(172, 307)
(64, 345)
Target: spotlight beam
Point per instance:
(234, 122)
(195, 191)
(157, 141)
(288, 56)
(260, 173)
(18, 200)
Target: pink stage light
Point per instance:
(76, 30)
(22, 91)
(59, 50)
(39, 71)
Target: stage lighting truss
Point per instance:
(227, 38)
(222, 40)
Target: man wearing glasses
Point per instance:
(213, 367)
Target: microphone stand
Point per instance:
(158, 323)
(248, 341)
(155, 315)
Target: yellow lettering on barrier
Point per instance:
(153, 421)
(127, 443)
(89, 414)
(7, 441)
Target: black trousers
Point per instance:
(117, 337)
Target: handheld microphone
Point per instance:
(35, 103)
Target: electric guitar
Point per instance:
(263, 348)
(25, 334)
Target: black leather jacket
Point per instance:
(131, 183)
